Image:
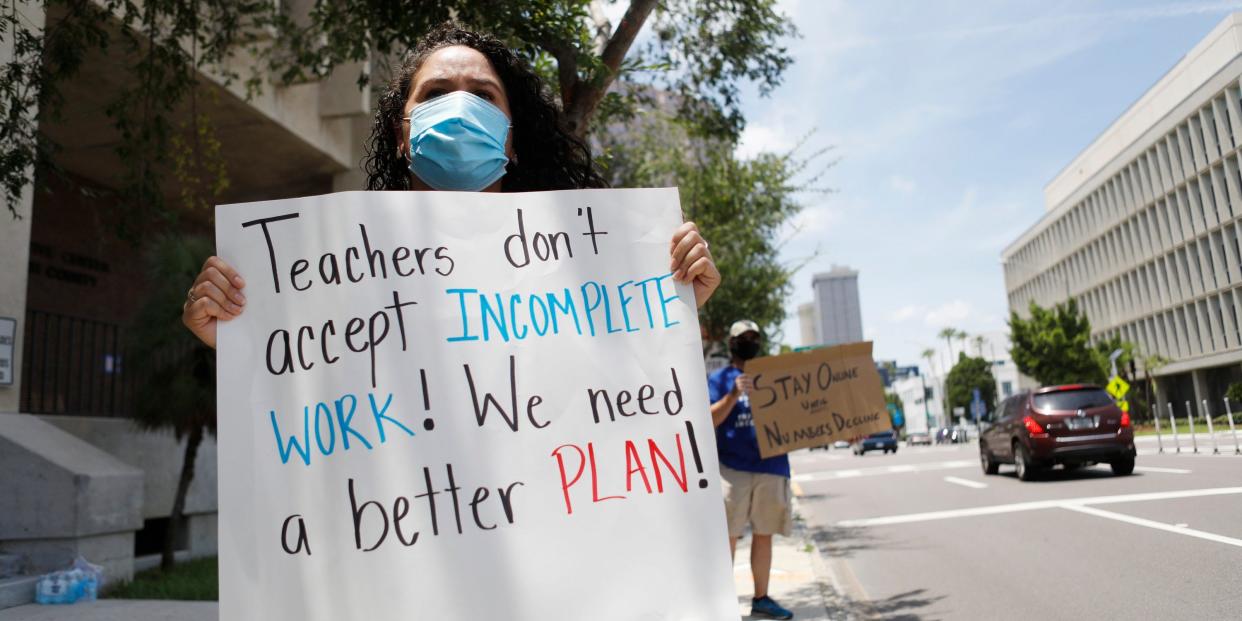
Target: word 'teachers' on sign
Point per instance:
(816, 397)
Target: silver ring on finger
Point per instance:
(189, 295)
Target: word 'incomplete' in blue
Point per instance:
(483, 314)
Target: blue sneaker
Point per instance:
(767, 607)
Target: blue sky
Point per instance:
(949, 117)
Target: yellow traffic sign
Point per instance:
(1118, 387)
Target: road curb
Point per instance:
(842, 596)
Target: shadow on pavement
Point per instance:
(1057, 475)
(844, 541)
(806, 601)
(902, 606)
(813, 497)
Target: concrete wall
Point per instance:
(82, 486)
(15, 241)
(158, 455)
(64, 498)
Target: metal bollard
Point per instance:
(1173, 424)
(1190, 416)
(1159, 442)
(1207, 413)
(1237, 449)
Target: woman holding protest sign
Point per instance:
(462, 113)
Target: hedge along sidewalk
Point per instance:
(195, 580)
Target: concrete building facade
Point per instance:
(808, 325)
(77, 477)
(838, 313)
(1142, 228)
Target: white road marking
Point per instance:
(828, 475)
(966, 482)
(1036, 505)
(1152, 469)
(1164, 470)
(1137, 521)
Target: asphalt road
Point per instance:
(924, 534)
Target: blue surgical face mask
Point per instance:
(457, 142)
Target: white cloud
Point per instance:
(758, 139)
(948, 314)
(904, 185)
(905, 313)
(812, 223)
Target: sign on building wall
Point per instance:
(816, 397)
(465, 406)
(8, 337)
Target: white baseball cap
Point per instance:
(743, 326)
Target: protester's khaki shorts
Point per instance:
(756, 498)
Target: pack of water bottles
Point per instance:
(79, 583)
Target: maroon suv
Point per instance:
(1071, 425)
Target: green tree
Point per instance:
(178, 387)
(1054, 346)
(1106, 348)
(967, 375)
(740, 205)
(698, 51)
(1142, 397)
(1234, 392)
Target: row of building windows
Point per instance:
(1204, 326)
(1185, 152)
(1160, 232)
(1160, 227)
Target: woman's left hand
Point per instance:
(692, 262)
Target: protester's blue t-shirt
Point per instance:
(735, 437)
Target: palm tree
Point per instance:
(962, 336)
(948, 334)
(930, 355)
(1152, 362)
(979, 341)
(177, 388)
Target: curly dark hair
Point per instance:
(548, 156)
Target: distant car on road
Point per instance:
(918, 437)
(958, 435)
(841, 444)
(884, 441)
(1072, 425)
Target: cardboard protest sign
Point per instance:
(816, 397)
(444, 405)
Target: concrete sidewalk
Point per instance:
(800, 580)
(116, 610)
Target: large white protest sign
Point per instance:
(448, 406)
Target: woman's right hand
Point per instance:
(215, 296)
